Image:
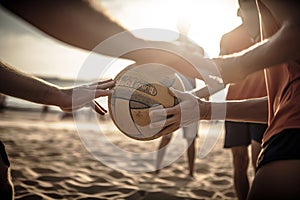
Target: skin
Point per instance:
(265, 54)
(268, 53)
(249, 15)
(30, 88)
(6, 187)
(82, 24)
(190, 153)
(278, 179)
(183, 27)
(85, 24)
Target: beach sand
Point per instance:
(48, 161)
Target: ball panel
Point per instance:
(122, 92)
(140, 116)
(142, 121)
(149, 133)
(138, 97)
(154, 93)
(122, 117)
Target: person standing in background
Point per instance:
(190, 132)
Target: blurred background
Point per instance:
(32, 51)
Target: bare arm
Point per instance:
(18, 84)
(283, 46)
(80, 23)
(85, 24)
(249, 110)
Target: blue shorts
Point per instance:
(241, 133)
(283, 146)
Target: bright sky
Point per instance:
(33, 52)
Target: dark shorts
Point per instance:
(241, 133)
(283, 146)
(3, 155)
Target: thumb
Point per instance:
(101, 93)
(177, 93)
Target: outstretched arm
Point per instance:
(18, 84)
(283, 46)
(84, 24)
(249, 110)
(77, 22)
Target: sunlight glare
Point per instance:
(209, 19)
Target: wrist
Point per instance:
(205, 110)
(53, 96)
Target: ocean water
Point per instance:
(16, 103)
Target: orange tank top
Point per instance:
(253, 86)
(283, 86)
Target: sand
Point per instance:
(48, 161)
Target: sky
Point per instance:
(33, 52)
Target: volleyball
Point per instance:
(138, 89)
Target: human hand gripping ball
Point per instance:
(84, 96)
(181, 115)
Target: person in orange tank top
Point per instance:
(277, 174)
(238, 135)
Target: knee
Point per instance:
(191, 143)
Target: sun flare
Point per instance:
(208, 20)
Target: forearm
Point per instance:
(206, 91)
(17, 84)
(250, 110)
(80, 23)
(85, 24)
(281, 47)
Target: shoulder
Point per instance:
(237, 32)
(235, 41)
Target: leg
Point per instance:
(190, 133)
(278, 174)
(237, 138)
(6, 186)
(256, 131)
(255, 149)
(277, 180)
(191, 156)
(161, 150)
(240, 165)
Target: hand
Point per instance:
(190, 63)
(184, 113)
(84, 95)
